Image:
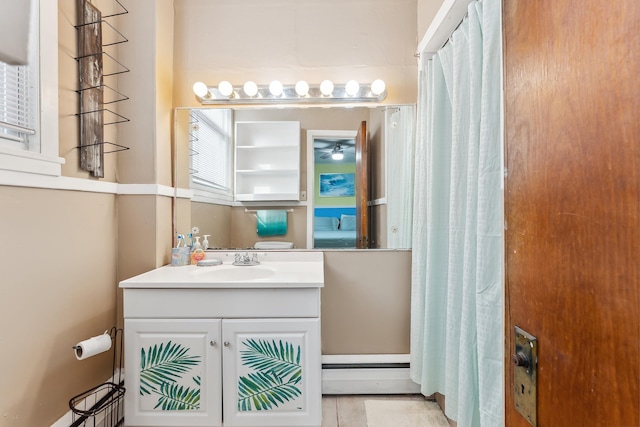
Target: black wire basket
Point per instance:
(103, 405)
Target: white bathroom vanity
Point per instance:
(225, 345)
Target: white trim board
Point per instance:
(151, 189)
(18, 179)
(339, 359)
(368, 381)
(447, 19)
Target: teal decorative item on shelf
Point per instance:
(271, 222)
(276, 376)
(162, 367)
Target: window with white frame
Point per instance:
(211, 152)
(29, 101)
(17, 98)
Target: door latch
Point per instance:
(525, 373)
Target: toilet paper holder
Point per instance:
(93, 346)
(106, 400)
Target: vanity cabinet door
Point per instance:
(272, 372)
(173, 372)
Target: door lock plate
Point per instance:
(525, 373)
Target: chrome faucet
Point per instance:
(246, 260)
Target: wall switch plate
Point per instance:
(303, 195)
(525, 373)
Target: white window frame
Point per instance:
(16, 163)
(211, 194)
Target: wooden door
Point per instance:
(362, 187)
(572, 131)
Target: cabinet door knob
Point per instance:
(226, 343)
(212, 343)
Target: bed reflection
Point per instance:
(334, 228)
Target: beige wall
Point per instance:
(379, 227)
(59, 275)
(238, 40)
(427, 10)
(214, 220)
(366, 302)
(145, 222)
(66, 250)
(58, 287)
(149, 28)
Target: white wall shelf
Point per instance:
(267, 161)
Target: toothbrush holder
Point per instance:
(180, 256)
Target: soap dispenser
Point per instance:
(197, 254)
(205, 242)
(197, 244)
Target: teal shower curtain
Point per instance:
(457, 273)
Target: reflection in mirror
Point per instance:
(204, 187)
(400, 133)
(334, 195)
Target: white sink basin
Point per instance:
(227, 273)
(291, 269)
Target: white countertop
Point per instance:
(277, 269)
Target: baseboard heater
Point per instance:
(367, 374)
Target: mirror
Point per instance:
(333, 218)
(325, 185)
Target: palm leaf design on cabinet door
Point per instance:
(161, 366)
(276, 377)
(175, 397)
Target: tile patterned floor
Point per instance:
(348, 411)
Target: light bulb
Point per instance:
(302, 88)
(250, 88)
(338, 155)
(352, 87)
(225, 88)
(326, 87)
(275, 87)
(200, 89)
(377, 87)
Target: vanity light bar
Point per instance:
(301, 92)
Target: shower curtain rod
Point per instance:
(397, 106)
(448, 18)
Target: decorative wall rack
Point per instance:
(95, 64)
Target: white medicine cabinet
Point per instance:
(267, 161)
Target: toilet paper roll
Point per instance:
(92, 346)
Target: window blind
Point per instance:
(14, 31)
(211, 148)
(16, 111)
